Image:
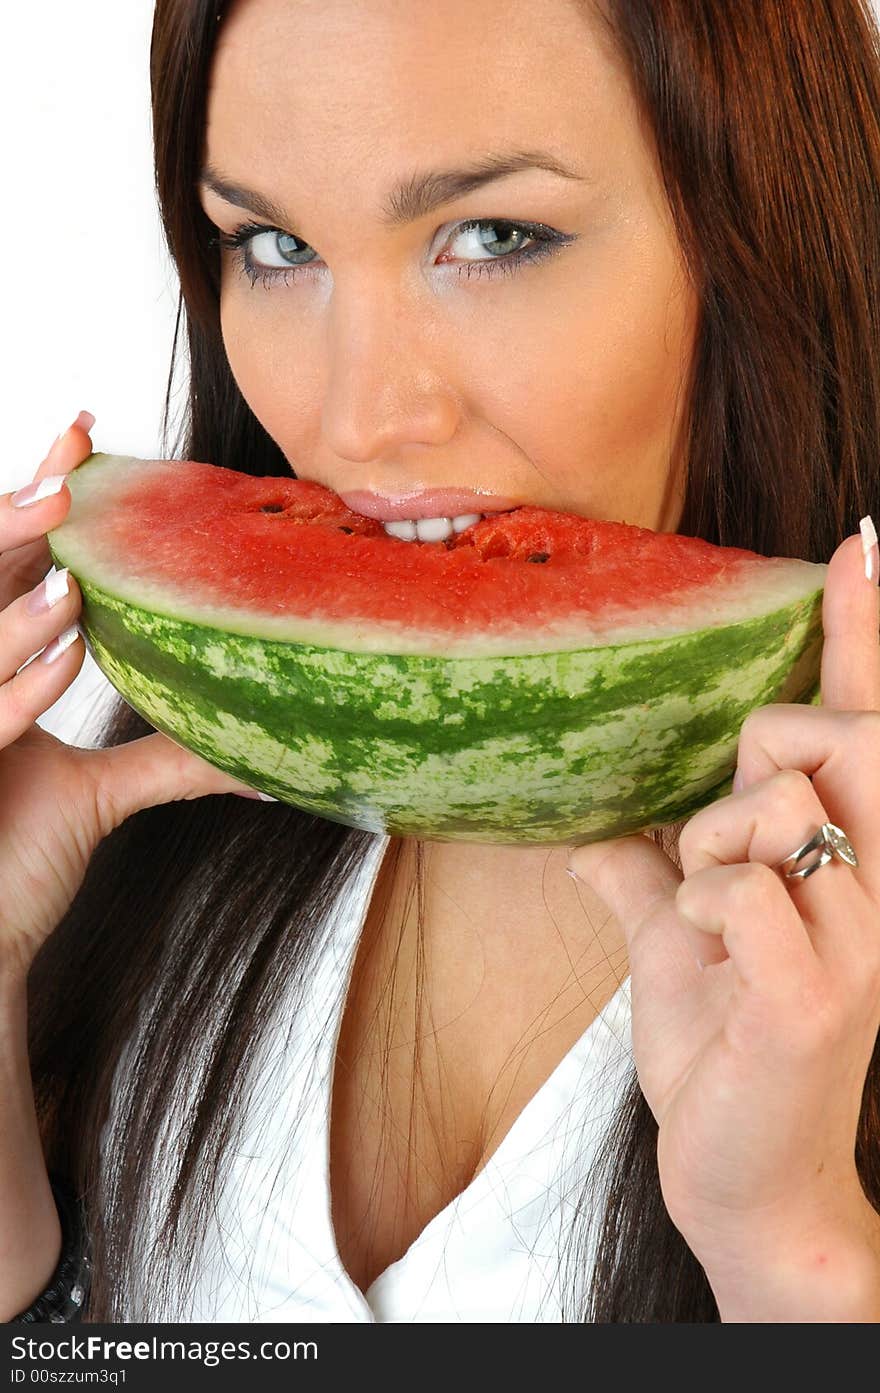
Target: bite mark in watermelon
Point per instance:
(537, 678)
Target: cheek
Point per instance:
(610, 372)
(275, 372)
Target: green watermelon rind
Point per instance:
(552, 748)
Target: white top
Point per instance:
(491, 1255)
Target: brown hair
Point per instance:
(195, 917)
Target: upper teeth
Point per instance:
(430, 529)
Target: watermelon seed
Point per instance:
(272, 508)
(349, 530)
(539, 556)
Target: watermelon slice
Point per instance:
(537, 678)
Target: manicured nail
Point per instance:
(60, 644)
(85, 420)
(266, 797)
(869, 547)
(38, 490)
(48, 592)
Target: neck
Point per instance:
(505, 933)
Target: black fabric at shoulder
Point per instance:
(65, 1297)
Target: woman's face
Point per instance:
(417, 353)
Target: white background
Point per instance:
(89, 296)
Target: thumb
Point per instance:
(637, 881)
(154, 769)
(850, 674)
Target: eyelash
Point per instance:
(546, 240)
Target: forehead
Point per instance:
(359, 89)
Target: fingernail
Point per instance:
(266, 797)
(48, 592)
(60, 644)
(38, 490)
(870, 549)
(737, 781)
(85, 420)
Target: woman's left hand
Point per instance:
(756, 998)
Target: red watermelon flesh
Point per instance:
(279, 549)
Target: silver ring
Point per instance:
(832, 840)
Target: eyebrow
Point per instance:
(413, 197)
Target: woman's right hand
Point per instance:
(57, 801)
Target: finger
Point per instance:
(24, 557)
(638, 883)
(70, 448)
(840, 752)
(151, 770)
(762, 826)
(754, 922)
(850, 672)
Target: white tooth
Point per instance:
(405, 529)
(433, 529)
(430, 529)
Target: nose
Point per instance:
(386, 387)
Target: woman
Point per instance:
(683, 342)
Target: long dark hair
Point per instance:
(194, 917)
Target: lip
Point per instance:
(424, 503)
